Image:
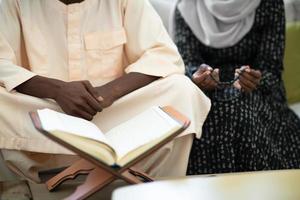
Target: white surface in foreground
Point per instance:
(276, 185)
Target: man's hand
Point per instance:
(202, 77)
(105, 96)
(78, 98)
(248, 80)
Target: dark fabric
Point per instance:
(254, 131)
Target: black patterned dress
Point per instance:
(247, 132)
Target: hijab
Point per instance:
(217, 23)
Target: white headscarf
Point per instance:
(217, 23)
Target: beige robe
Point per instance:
(99, 41)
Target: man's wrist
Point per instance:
(107, 91)
(55, 86)
(41, 87)
(124, 85)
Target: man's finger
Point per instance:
(83, 114)
(100, 98)
(92, 98)
(88, 109)
(96, 105)
(83, 105)
(90, 89)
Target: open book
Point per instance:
(118, 146)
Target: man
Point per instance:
(102, 60)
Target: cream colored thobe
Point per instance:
(99, 41)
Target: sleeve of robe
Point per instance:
(149, 48)
(11, 73)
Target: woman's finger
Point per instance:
(207, 79)
(245, 88)
(246, 84)
(211, 85)
(237, 85)
(205, 67)
(215, 74)
(250, 78)
(199, 78)
(256, 73)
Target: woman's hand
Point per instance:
(202, 77)
(248, 80)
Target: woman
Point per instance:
(250, 126)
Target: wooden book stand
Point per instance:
(100, 174)
(97, 178)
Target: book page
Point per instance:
(144, 128)
(55, 121)
(90, 147)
